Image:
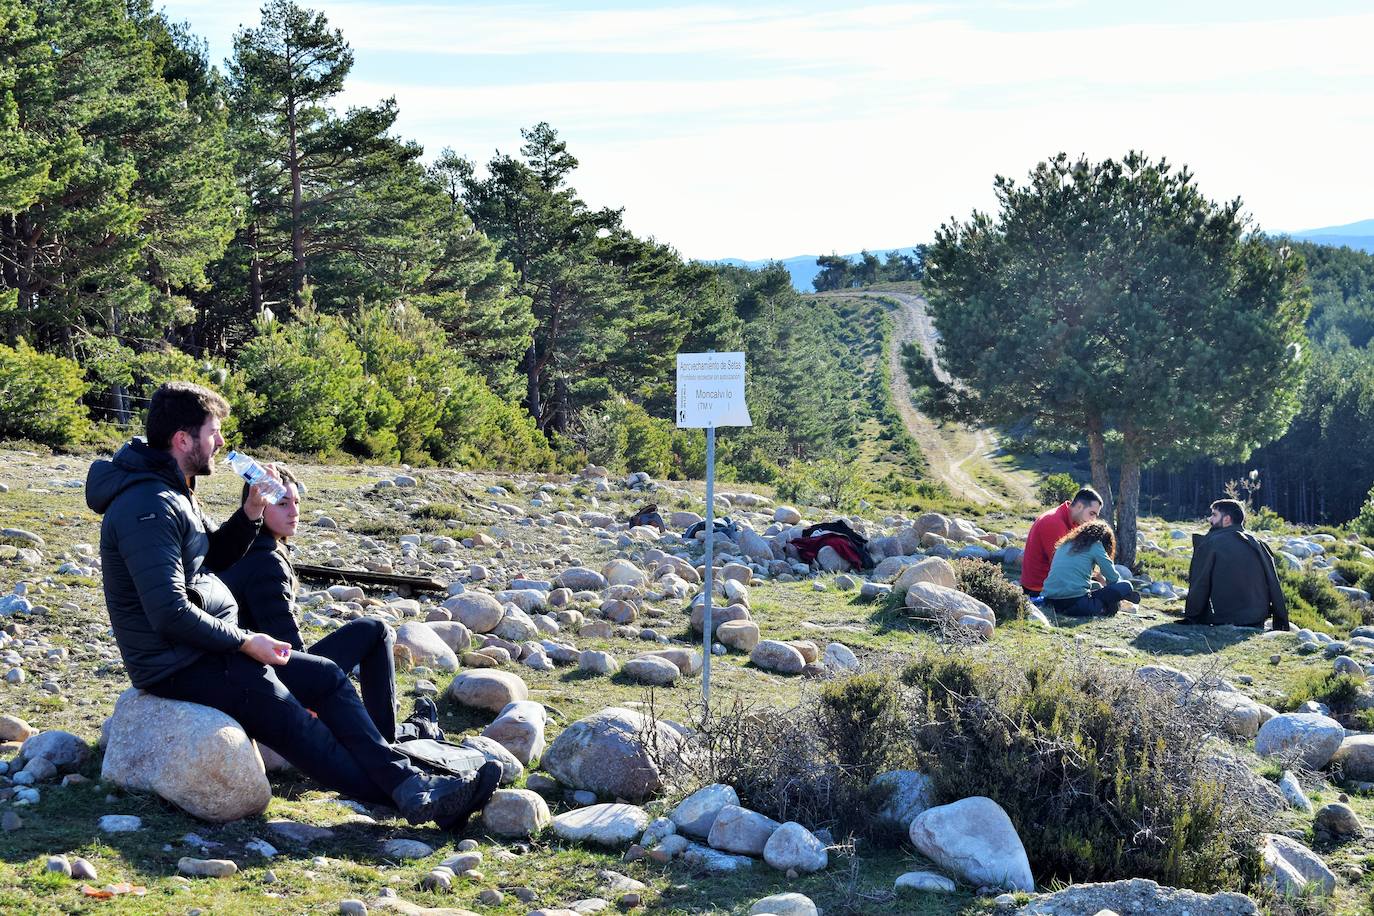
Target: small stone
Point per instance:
(352, 907)
(119, 823)
(401, 848)
(491, 897)
(60, 865)
(206, 868)
(83, 870)
(10, 822)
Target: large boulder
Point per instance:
(974, 840)
(754, 546)
(582, 579)
(478, 611)
(785, 904)
(454, 634)
(623, 572)
(604, 825)
(515, 813)
(486, 689)
(425, 646)
(65, 751)
(1355, 757)
(1306, 736)
(901, 795)
(719, 616)
(606, 753)
(1289, 867)
(652, 671)
(696, 813)
(519, 728)
(1137, 895)
(792, 846)
(193, 756)
(740, 830)
(511, 767)
(772, 655)
(927, 599)
(935, 570)
(742, 635)
(1237, 714)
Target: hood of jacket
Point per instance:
(135, 463)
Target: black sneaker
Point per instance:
(488, 778)
(423, 798)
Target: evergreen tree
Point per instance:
(115, 175)
(1114, 299)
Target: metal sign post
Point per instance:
(708, 632)
(710, 393)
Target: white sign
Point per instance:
(710, 390)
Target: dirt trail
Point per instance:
(948, 446)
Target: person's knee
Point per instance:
(378, 629)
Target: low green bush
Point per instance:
(1103, 779)
(1314, 603)
(985, 581)
(1056, 488)
(1337, 691)
(41, 394)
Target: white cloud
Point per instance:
(867, 126)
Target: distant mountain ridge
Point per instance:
(803, 267)
(1359, 236)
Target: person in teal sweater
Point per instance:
(1070, 587)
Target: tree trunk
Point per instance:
(255, 273)
(1128, 507)
(1097, 453)
(532, 371)
(297, 209)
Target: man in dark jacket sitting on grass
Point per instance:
(1232, 579)
(176, 624)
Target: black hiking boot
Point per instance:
(446, 799)
(425, 718)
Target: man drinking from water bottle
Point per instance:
(176, 624)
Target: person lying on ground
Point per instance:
(176, 624)
(1048, 530)
(1232, 579)
(1069, 587)
(264, 587)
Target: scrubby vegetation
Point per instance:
(986, 582)
(1103, 778)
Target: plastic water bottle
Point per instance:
(253, 472)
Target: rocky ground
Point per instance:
(558, 630)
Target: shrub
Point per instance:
(860, 722)
(832, 482)
(1353, 571)
(1313, 602)
(1103, 779)
(985, 581)
(314, 395)
(41, 394)
(1056, 488)
(1337, 691)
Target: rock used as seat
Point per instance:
(195, 757)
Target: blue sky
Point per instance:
(776, 129)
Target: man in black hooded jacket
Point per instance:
(176, 625)
(1232, 579)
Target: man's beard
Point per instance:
(1216, 526)
(199, 463)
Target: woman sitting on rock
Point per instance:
(1070, 587)
(264, 585)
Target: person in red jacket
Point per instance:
(1046, 532)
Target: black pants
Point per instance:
(365, 644)
(1102, 602)
(340, 749)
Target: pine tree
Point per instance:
(1115, 301)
